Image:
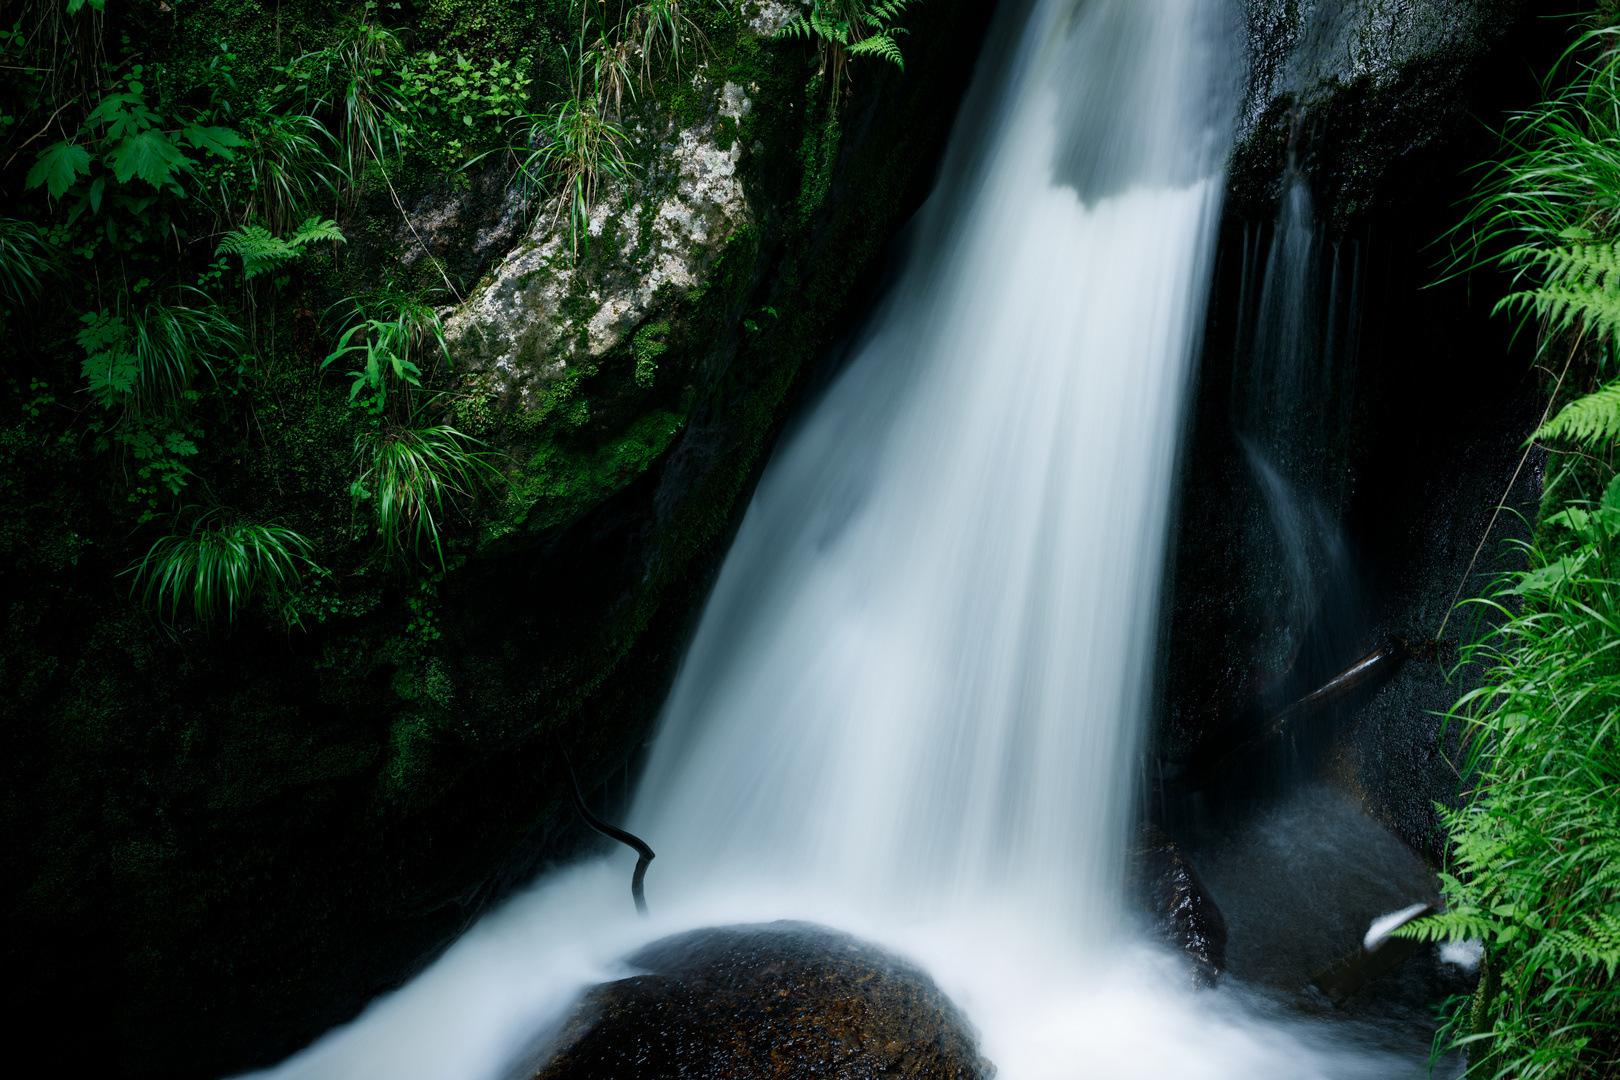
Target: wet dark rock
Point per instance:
(782, 999)
(1167, 887)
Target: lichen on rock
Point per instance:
(769, 16)
(648, 243)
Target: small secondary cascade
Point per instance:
(913, 707)
(1297, 347)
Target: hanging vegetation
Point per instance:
(1535, 872)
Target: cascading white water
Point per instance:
(923, 671)
(913, 704)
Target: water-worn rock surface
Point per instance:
(1169, 891)
(783, 999)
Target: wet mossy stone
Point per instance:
(784, 999)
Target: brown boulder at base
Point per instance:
(783, 999)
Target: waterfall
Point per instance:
(923, 672)
(913, 706)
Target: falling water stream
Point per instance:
(913, 707)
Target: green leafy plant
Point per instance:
(262, 252)
(141, 366)
(214, 571)
(146, 360)
(847, 29)
(389, 342)
(411, 476)
(130, 141)
(648, 345)
(458, 104)
(1536, 862)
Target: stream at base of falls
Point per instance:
(915, 706)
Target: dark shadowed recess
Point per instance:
(1395, 443)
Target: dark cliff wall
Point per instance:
(1398, 439)
(218, 847)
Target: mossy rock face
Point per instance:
(779, 1000)
(220, 845)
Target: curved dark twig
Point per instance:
(628, 839)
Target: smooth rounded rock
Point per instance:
(784, 999)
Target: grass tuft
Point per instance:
(214, 572)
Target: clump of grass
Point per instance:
(285, 170)
(573, 149)
(356, 82)
(24, 262)
(213, 572)
(411, 477)
(1559, 170)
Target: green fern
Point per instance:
(1535, 851)
(1581, 284)
(263, 253)
(844, 29)
(1592, 419)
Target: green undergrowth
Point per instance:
(1533, 872)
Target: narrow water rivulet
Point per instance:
(914, 706)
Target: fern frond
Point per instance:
(1449, 926)
(799, 28)
(880, 45)
(261, 252)
(1592, 419)
(314, 231)
(1581, 283)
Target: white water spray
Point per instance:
(913, 706)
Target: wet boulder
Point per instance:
(1167, 888)
(782, 999)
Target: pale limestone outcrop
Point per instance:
(542, 311)
(772, 15)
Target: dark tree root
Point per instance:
(646, 853)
